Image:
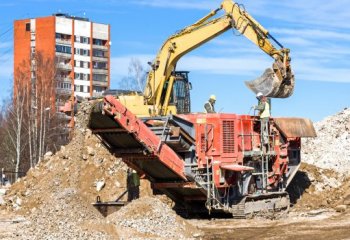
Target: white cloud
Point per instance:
(313, 33)
(311, 70)
(180, 4)
(309, 13)
(312, 12)
(249, 67)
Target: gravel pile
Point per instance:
(68, 218)
(152, 217)
(331, 148)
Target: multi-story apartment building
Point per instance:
(80, 49)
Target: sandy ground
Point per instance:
(317, 224)
(314, 225)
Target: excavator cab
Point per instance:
(181, 93)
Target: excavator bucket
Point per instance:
(272, 84)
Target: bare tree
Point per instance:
(16, 124)
(42, 105)
(29, 125)
(136, 78)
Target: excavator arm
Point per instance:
(277, 82)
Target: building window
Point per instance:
(82, 52)
(64, 85)
(99, 78)
(81, 88)
(99, 89)
(85, 40)
(99, 42)
(98, 53)
(99, 65)
(81, 64)
(28, 27)
(82, 76)
(63, 49)
(62, 36)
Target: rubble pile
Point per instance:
(153, 218)
(69, 217)
(331, 148)
(56, 196)
(323, 180)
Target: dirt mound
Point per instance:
(55, 197)
(314, 188)
(152, 218)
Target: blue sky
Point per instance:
(318, 35)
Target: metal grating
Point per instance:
(228, 136)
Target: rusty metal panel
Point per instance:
(295, 127)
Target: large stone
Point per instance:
(48, 154)
(100, 184)
(340, 208)
(90, 151)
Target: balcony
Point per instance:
(63, 91)
(99, 83)
(100, 47)
(99, 59)
(64, 79)
(97, 94)
(64, 66)
(61, 55)
(64, 41)
(100, 71)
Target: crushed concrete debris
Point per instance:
(323, 179)
(56, 196)
(151, 216)
(331, 148)
(100, 184)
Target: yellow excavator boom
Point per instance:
(277, 82)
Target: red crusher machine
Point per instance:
(207, 162)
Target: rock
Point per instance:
(85, 157)
(98, 161)
(340, 208)
(99, 185)
(2, 191)
(88, 133)
(48, 154)
(2, 201)
(19, 201)
(197, 235)
(90, 151)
